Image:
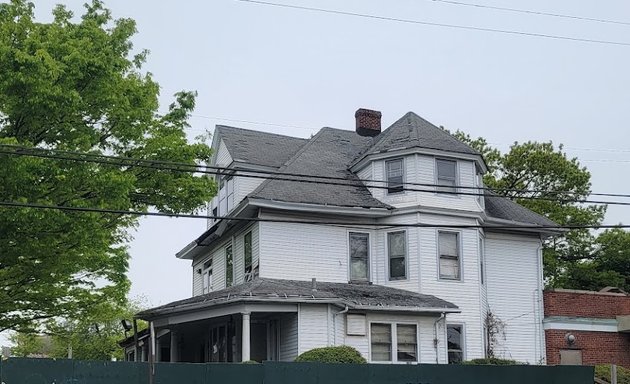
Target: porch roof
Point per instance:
(355, 296)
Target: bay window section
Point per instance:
(381, 340)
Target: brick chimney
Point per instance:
(368, 122)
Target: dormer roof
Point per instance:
(258, 148)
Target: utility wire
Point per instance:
(313, 222)
(293, 177)
(531, 12)
(433, 24)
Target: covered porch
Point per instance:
(236, 333)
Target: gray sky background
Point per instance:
(308, 70)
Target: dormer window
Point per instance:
(446, 175)
(395, 175)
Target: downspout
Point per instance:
(539, 306)
(436, 341)
(345, 310)
(135, 340)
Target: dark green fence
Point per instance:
(43, 371)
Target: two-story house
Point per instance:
(383, 241)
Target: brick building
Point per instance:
(586, 327)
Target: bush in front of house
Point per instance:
(341, 354)
(491, 361)
(603, 372)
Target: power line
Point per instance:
(311, 222)
(531, 12)
(293, 177)
(433, 24)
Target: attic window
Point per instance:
(394, 173)
(446, 175)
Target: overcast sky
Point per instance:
(307, 70)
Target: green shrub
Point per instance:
(491, 361)
(341, 354)
(603, 372)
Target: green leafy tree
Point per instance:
(76, 86)
(544, 179)
(94, 337)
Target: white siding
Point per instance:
(303, 251)
(223, 157)
(243, 186)
(312, 327)
(464, 293)
(426, 334)
(218, 267)
(513, 284)
(288, 337)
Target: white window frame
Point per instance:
(206, 276)
(369, 256)
(389, 276)
(439, 189)
(225, 255)
(224, 194)
(394, 346)
(403, 170)
(463, 340)
(248, 275)
(459, 255)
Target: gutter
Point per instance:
(523, 227)
(316, 208)
(375, 308)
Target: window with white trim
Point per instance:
(247, 251)
(449, 255)
(383, 336)
(206, 275)
(359, 256)
(381, 342)
(226, 195)
(229, 266)
(395, 175)
(407, 342)
(455, 341)
(397, 255)
(446, 175)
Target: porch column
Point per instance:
(174, 345)
(245, 338)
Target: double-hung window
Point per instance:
(455, 341)
(446, 175)
(395, 175)
(383, 338)
(206, 275)
(229, 266)
(359, 256)
(226, 195)
(449, 255)
(247, 250)
(397, 255)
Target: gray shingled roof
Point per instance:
(356, 296)
(328, 153)
(412, 131)
(260, 148)
(505, 209)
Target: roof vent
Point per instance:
(368, 122)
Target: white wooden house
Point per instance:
(390, 249)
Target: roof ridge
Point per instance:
(219, 126)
